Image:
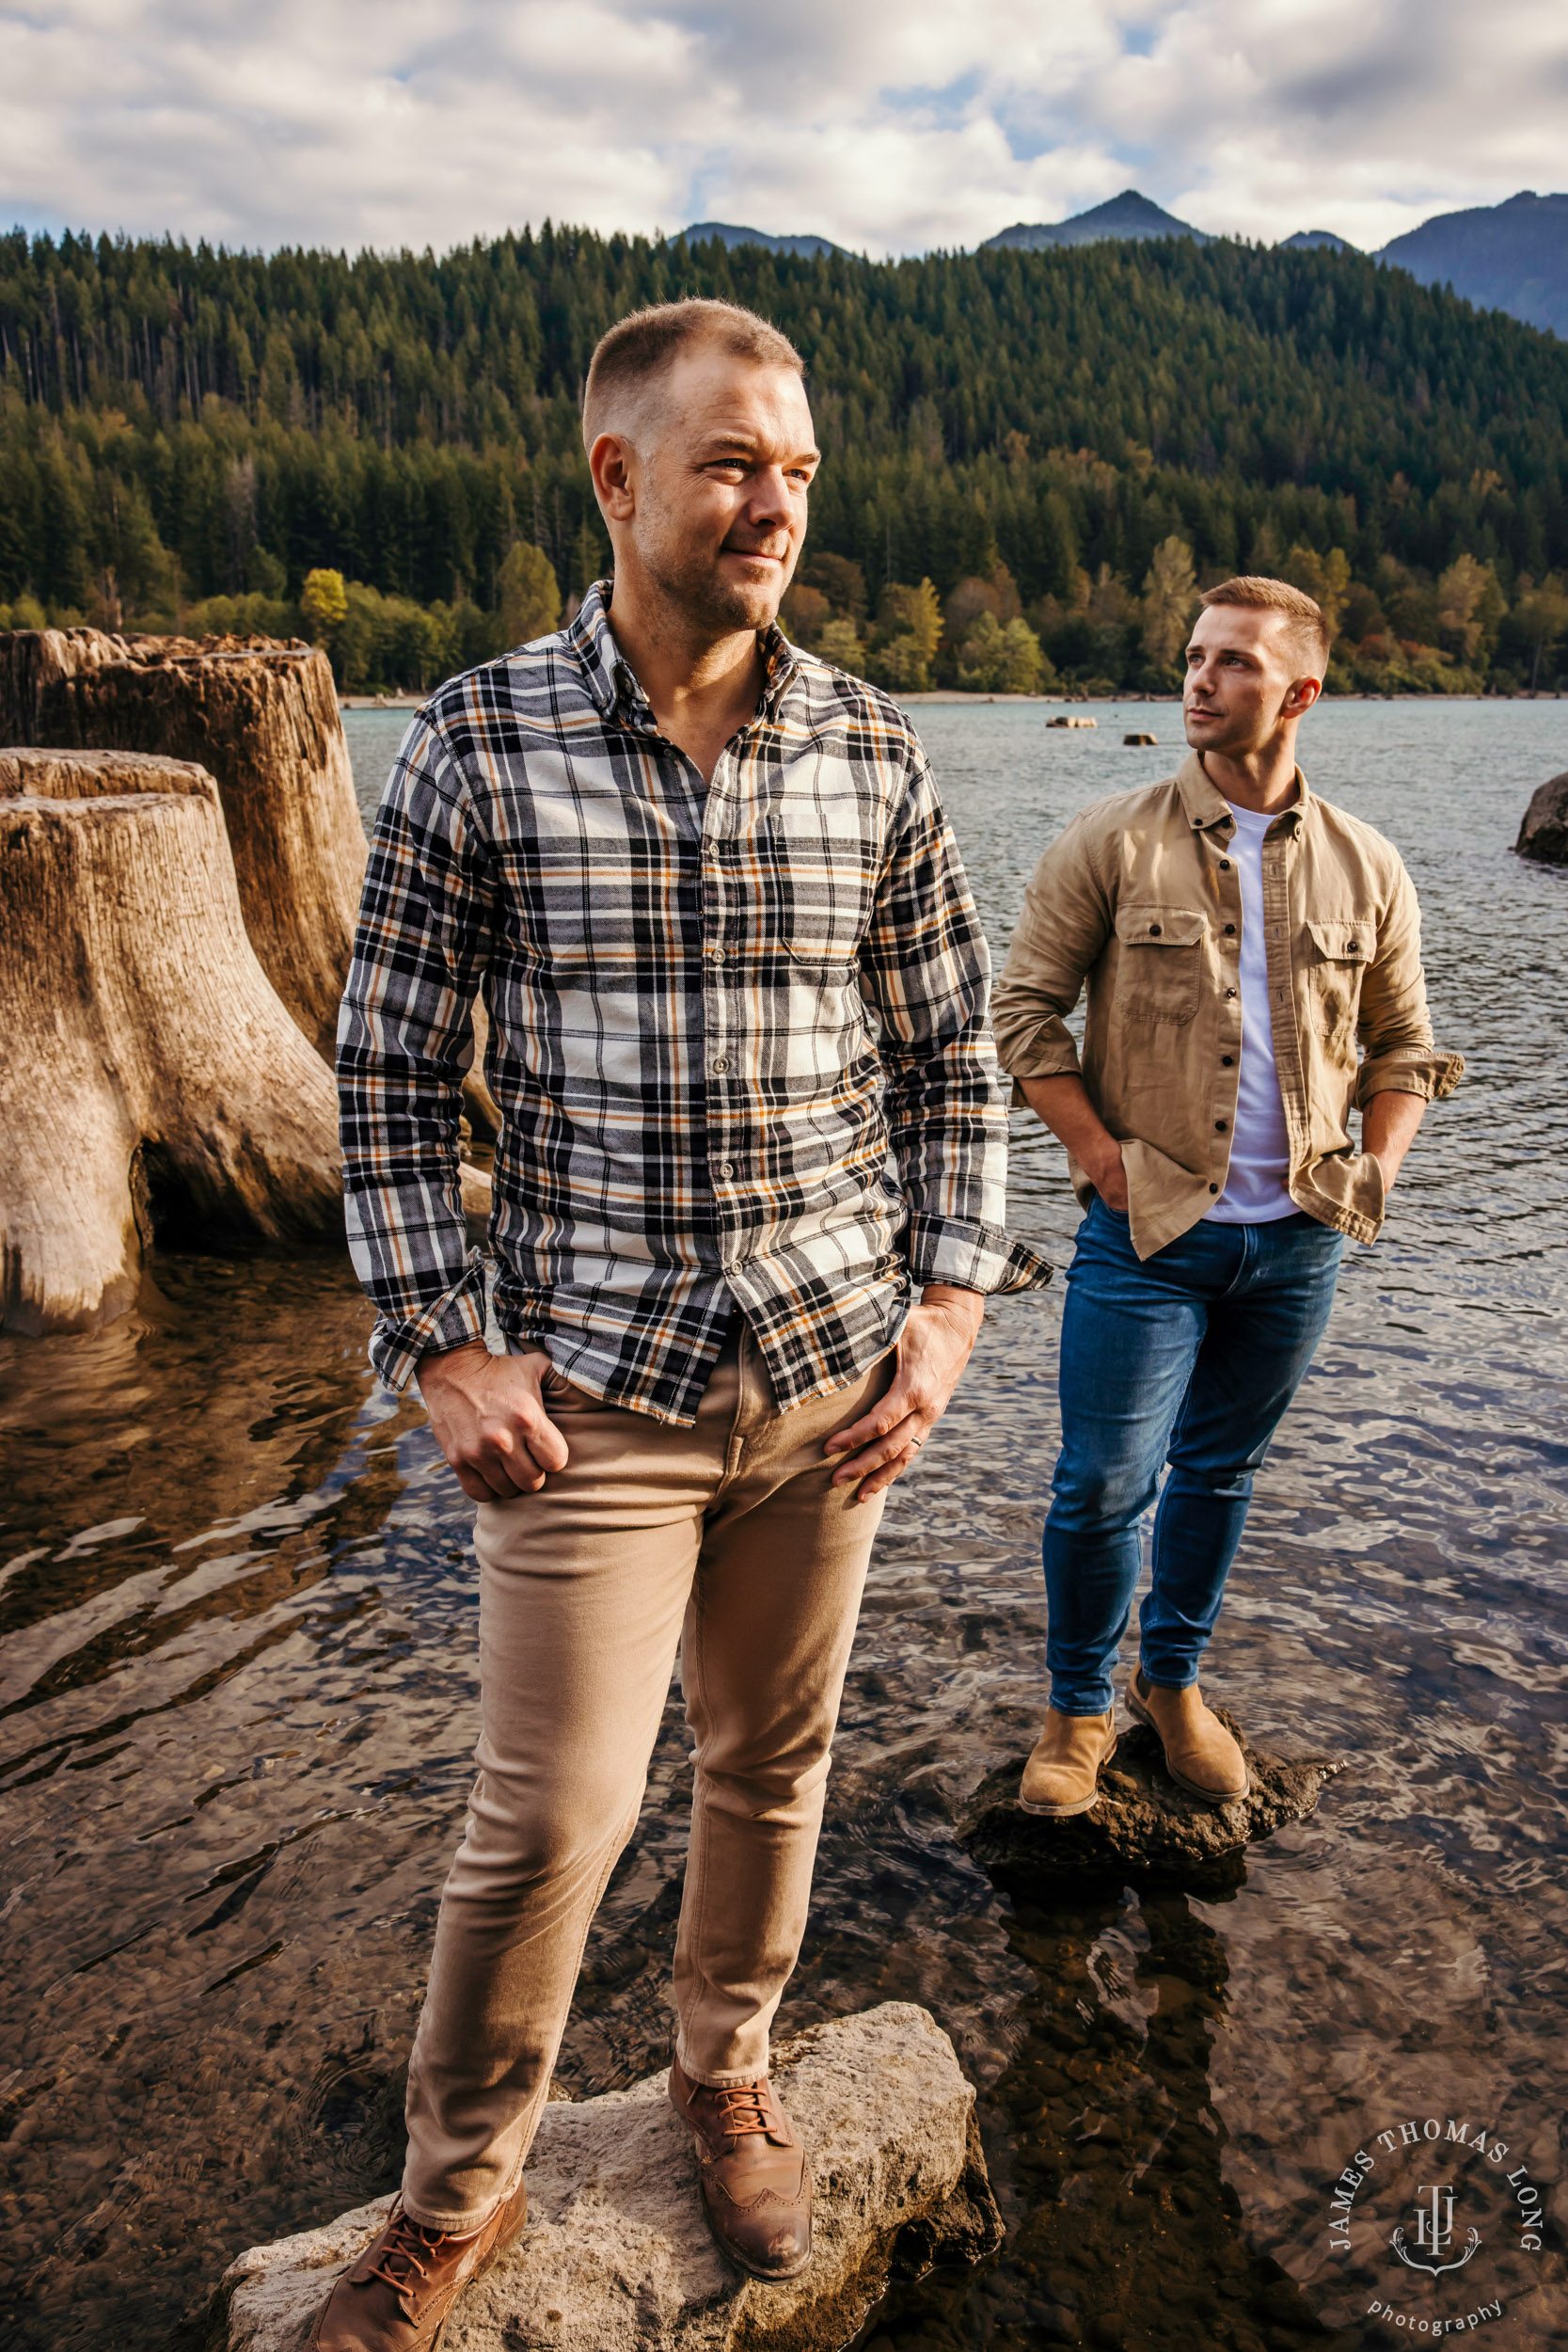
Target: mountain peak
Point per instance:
(1128, 214)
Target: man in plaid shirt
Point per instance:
(736, 991)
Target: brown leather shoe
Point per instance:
(1201, 1754)
(753, 2172)
(1062, 1776)
(398, 2296)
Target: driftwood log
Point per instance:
(153, 1085)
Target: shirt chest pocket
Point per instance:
(1338, 954)
(822, 880)
(1160, 962)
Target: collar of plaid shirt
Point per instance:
(737, 1031)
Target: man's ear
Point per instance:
(611, 462)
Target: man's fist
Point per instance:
(489, 1420)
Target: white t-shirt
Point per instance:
(1255, 1190)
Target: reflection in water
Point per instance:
(237, 1703)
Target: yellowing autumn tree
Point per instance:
(1169, 601)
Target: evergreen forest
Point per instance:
(1032, 460)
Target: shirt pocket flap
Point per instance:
(1348, 942)
(1144, 923)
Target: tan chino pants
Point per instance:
(729, 1539)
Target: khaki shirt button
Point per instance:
(1225, 869)
(1231, 991)
(1219, 1126)
(1154, 930)
(1230, 930)
(1228, 1061)
(1213, 1187)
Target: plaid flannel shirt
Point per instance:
(738, 1032)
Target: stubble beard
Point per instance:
(690, 581)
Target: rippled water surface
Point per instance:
(238, 1696)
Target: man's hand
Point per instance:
(1065, 1106)
(933, 1348)
(490, 1421)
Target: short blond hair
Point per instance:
(639, 349)
(1309, 631)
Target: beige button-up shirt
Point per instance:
(1140, 900)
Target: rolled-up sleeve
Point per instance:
(405, 1043)
(1061, 933)
(1398, 1055)
(925, 971)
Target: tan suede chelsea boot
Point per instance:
(1201, 1754)
(1062, 1776)
(398, 2296)
(753, 2172)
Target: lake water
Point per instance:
(238, 1699)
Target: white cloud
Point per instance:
(891, 125)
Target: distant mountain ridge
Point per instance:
(1510, 257)
(805, 247)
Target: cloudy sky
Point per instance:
(889, 125)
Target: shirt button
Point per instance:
(725, 1167)
(1355, 947)
(1225, 869)
(718, 953)
(1213, 1187)
(1231, 991)
(1154, 930)
(1228, 1061)
(1230, 930)
(720, 1061)
(1219, 1126)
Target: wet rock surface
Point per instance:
(1143, 1826)
(616, 2256)
(1543, 833)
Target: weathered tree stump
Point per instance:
(1543, 833)
(154, 1085)
(1143, 1827)
(262, 719)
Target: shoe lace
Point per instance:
(743, 2108)
(404, 2259)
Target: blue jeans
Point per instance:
(1191, 1355)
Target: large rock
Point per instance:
(1543, 833)
(1143, 1826)
(617, 2257)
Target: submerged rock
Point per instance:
(616, 2256)
(1543, 833)
(1143, 1825)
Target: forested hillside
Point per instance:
(1029, 456)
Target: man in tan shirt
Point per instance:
(1240, 940)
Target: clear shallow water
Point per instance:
(237, 1704)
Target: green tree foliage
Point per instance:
(179, 423)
